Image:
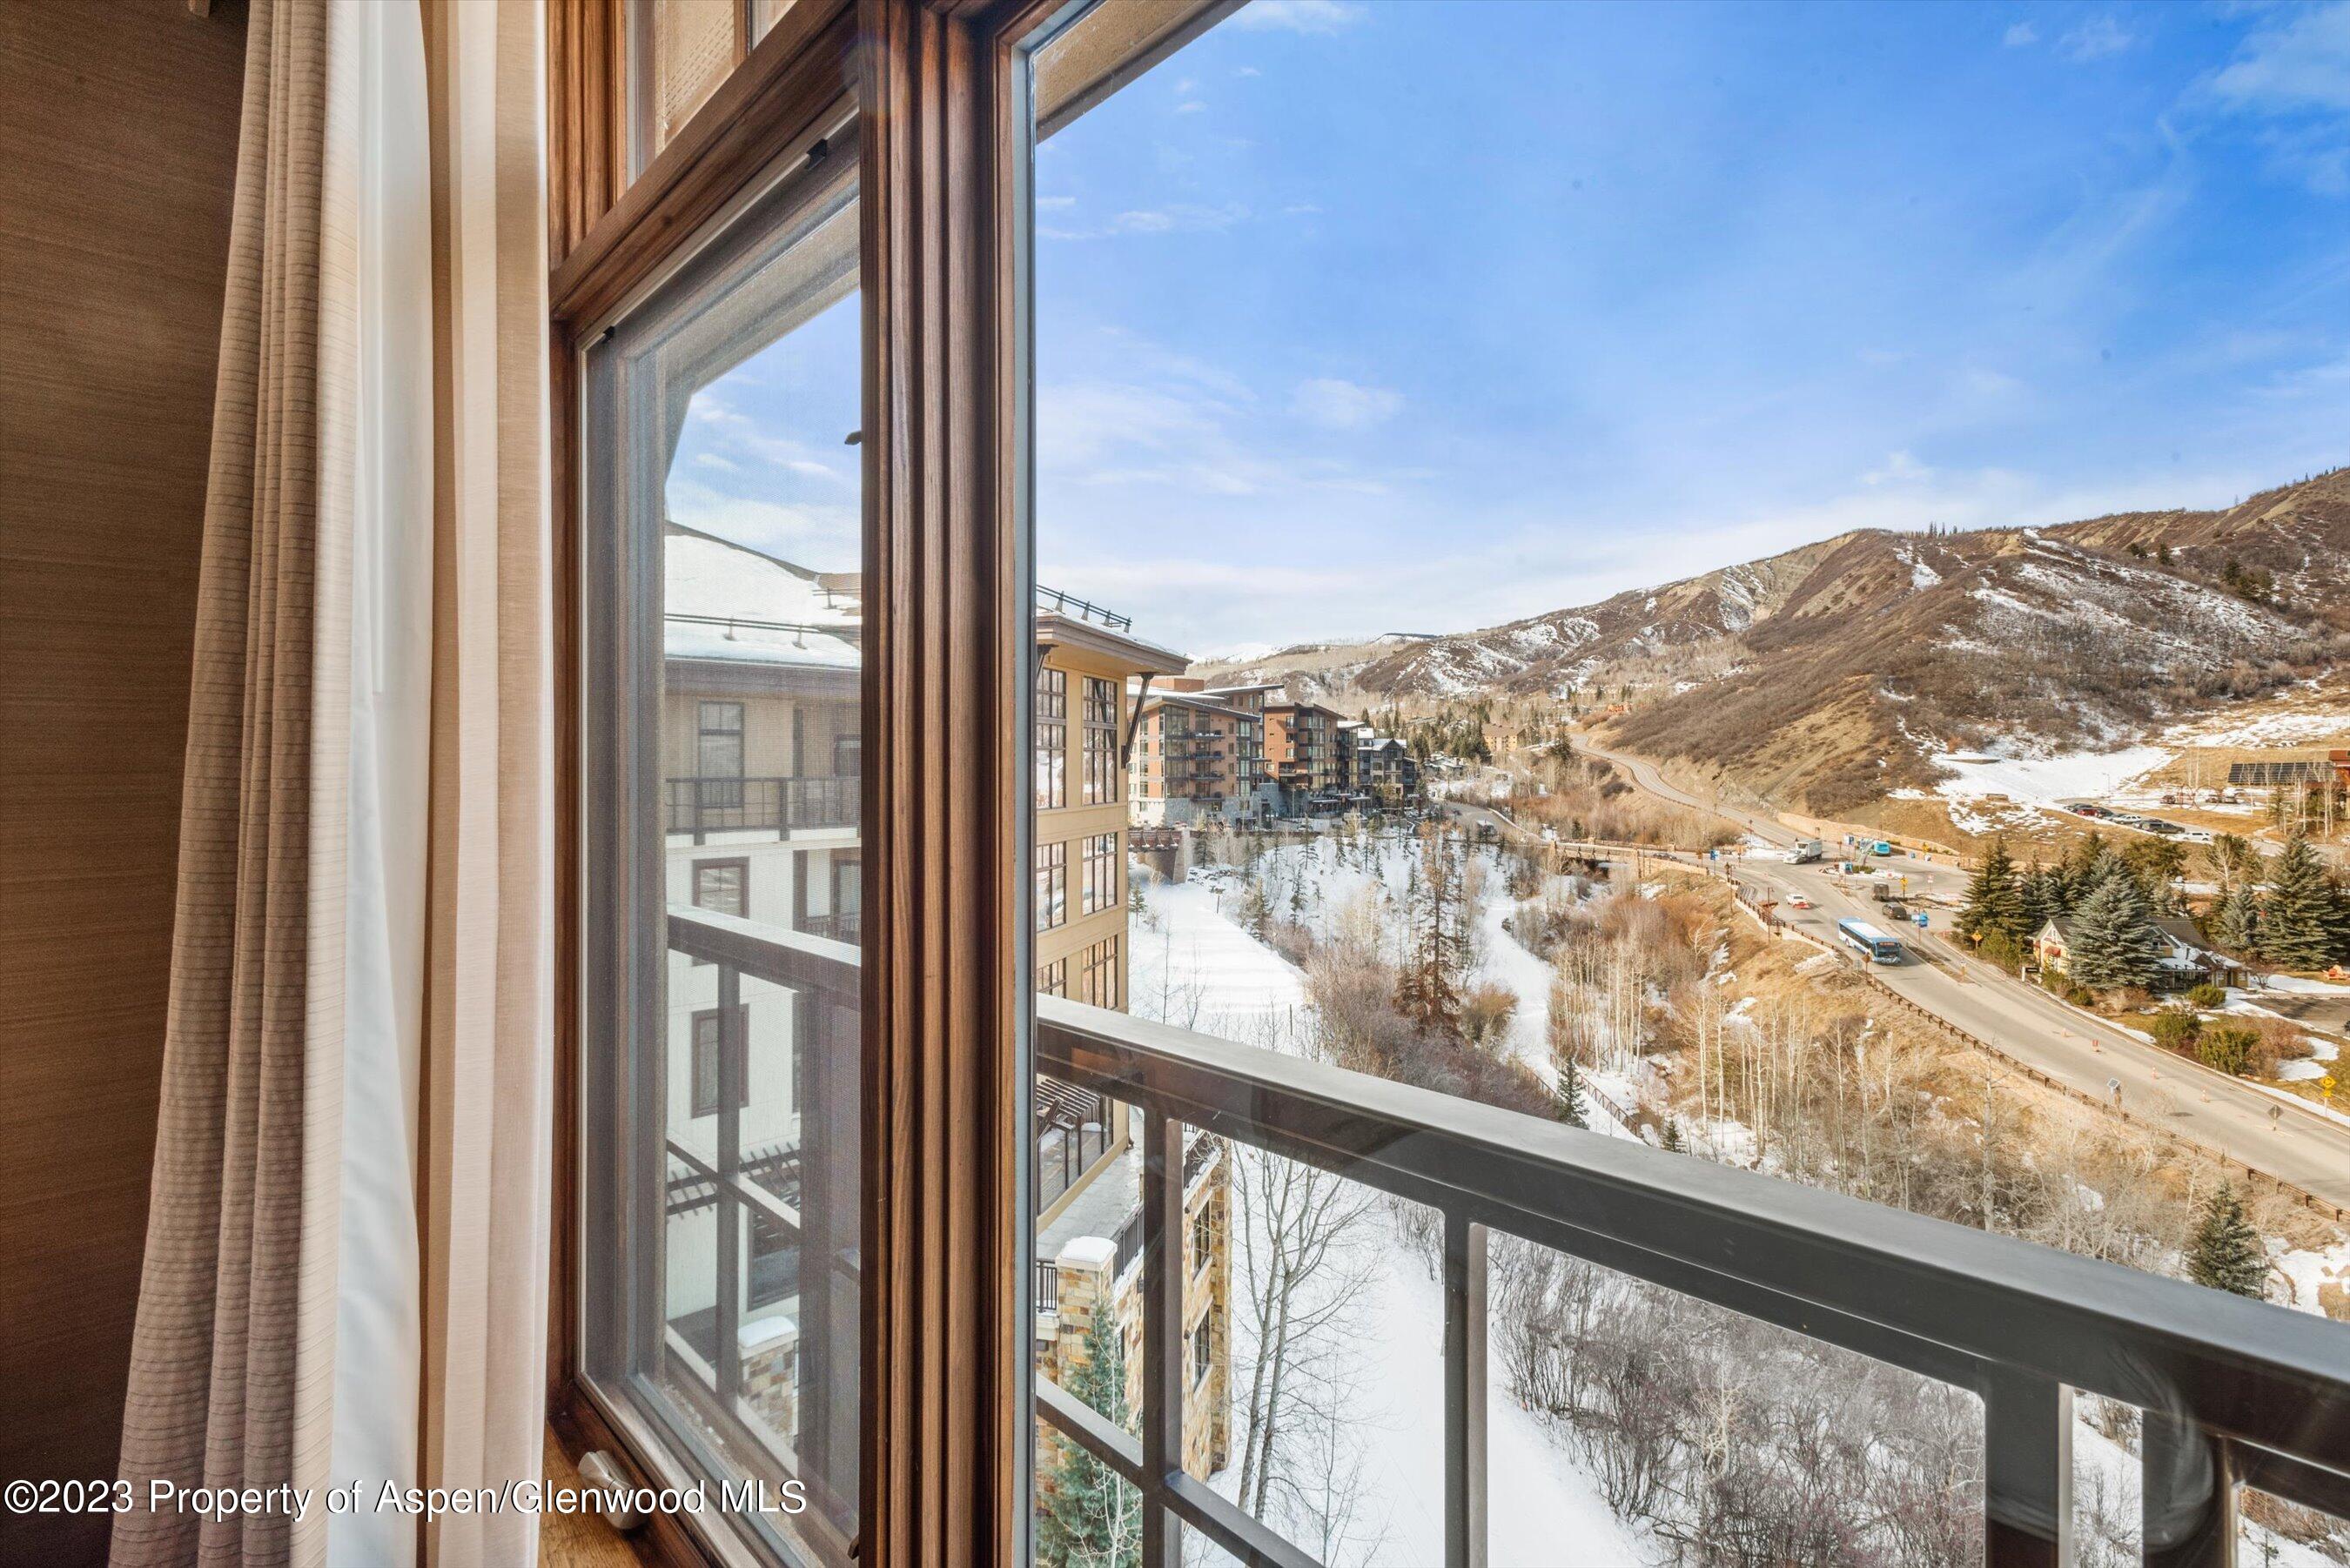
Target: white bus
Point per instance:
(1880, 947)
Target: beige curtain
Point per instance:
(487, 1078)
(233, 1354)
(286, 917)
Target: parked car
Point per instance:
(1797, 901)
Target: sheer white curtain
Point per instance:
(378, 217)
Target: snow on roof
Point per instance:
(1087, 1252)
(728, 602)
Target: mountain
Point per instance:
(1828, 675)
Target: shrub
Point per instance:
(2230, 1047)
(2207, 996)
(1485, 1014)
(2174, 1031)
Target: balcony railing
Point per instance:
(1055, 601)
(841, 926)
(702, 806)
(2232, 1391)
(800, 1199)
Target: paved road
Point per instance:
(2231, 1118)
(2221, 1113)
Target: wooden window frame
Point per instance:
(741, 863)
(940, 91)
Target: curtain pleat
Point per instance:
(489, 1015)
(232, 1356)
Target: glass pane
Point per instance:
(726, 539)
(1673, 640)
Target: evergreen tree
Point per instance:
(2227, 1254)
(1089, 1517)
(2113, 940)
(2156, 863)
(1671, 1138)
(1571, 1108)
(2237, 923)
(2040, 895)
(2300, 919)
(1995, 904)
(1428, 990)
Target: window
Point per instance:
(708, 1045)
(1203, 1239)
(718, 754)
(1097, 973)
(1052, 722)
(1099, 854)
(719, 1298)
(1052, 979)
(848, 756)
(1101, 740)
(1197, 254)
(680, 52)
(1203, 1360)
(1052, 884)
(722, 887)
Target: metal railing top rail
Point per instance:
(797, 959)
(1084, 609)
(1965, 1307)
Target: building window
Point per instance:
(1051, 739)
(1203, 1240)
(1101, 742)
(707, 1046)
(1202, 1350)
(722, 887)
(717, 753)
(1052, 979)
(1098, 974)
(1099, 877)
(1052, 885)
(848, 756)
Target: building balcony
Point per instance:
(2231, 1391)
(703, 807)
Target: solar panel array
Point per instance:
(2266, 774)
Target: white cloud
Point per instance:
(2094, 39)
(2304, 64)
(1176, 218)
(712, 460)
(2020, 35)
(1297, 15)
(1191, 105)
(1056, 203)
(1338, 405)
(2296, 77)
(1899, 468)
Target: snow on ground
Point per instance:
(1195, 966)
(2269, 730)
(1547, 1511)
(2299, 986)
(2042, 780)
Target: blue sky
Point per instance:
(1358, 318)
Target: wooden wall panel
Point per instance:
(120, 121)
